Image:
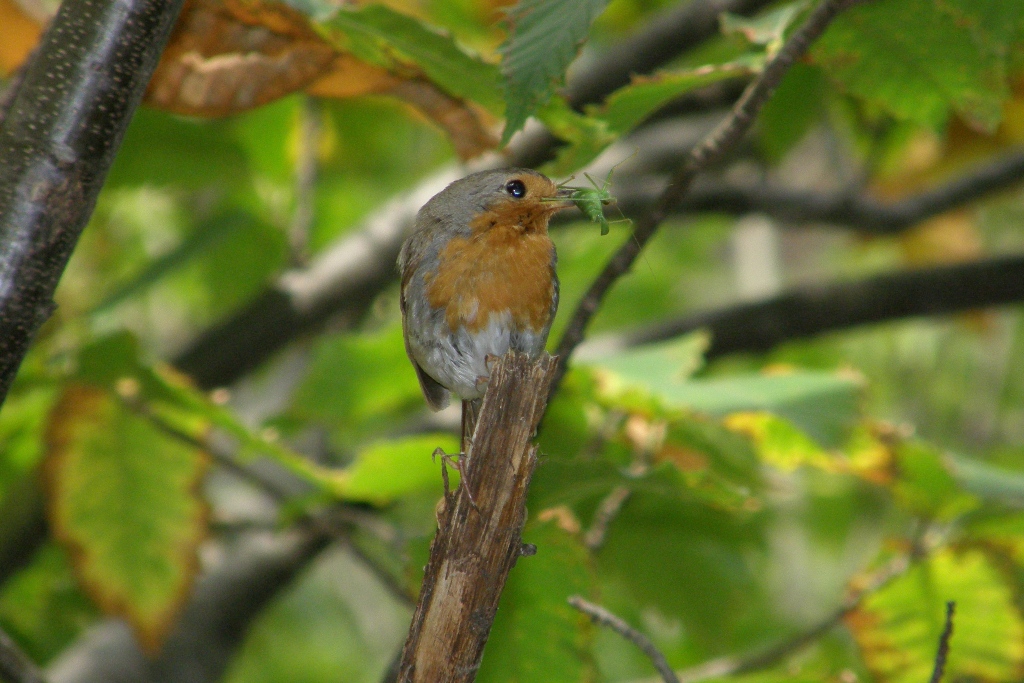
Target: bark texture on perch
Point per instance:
(476, 546)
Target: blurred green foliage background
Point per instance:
(855, 481)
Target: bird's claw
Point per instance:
(457, 465)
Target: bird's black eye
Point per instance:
(516, 188)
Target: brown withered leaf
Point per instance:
(463, 123)
(228, 56)
(467, 126)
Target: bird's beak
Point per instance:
(563, 197)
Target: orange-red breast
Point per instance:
(478, 279)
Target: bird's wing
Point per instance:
(437, 396)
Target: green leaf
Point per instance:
(797, 104)
(684, 560)
(630, 105)
(21, 426)
(987, 481)
(627, 107)
(390, 470)
(768, 28)
(342, 388)
(41, 606)
(698, 446)
(536, 635)
(897, 628)
(587, 136)
(918, 59)
(677, 360)
(163, 149)
(113, 363)
(925, 484)
(124, 500)
(779, 442)
(544, 38)
(824, 405)
(205, 235)
(381, 35)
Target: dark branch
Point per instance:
(602, 616)
(58, 139)
(859, 212)
(15, 666)
(808, 311)
(714, 147)
(943, 651)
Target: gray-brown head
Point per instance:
(508, 196)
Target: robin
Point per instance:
(478, 279)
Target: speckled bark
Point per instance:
(477, 546)
(57, 142)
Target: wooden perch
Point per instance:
(478, 544)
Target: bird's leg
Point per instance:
(489, 360)
(457, 465)
(445, 458)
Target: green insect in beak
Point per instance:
(592, 200)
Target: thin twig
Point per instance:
(943, 651)
(15, 665)
(714, 147)
(606, 511)
(602, 616)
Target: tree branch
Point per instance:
(59, 138)
(812, 310)
(859, 212)
(479, 536)
(605, 618)
(714, 147)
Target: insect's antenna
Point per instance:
(608, 180)
(632, 236)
